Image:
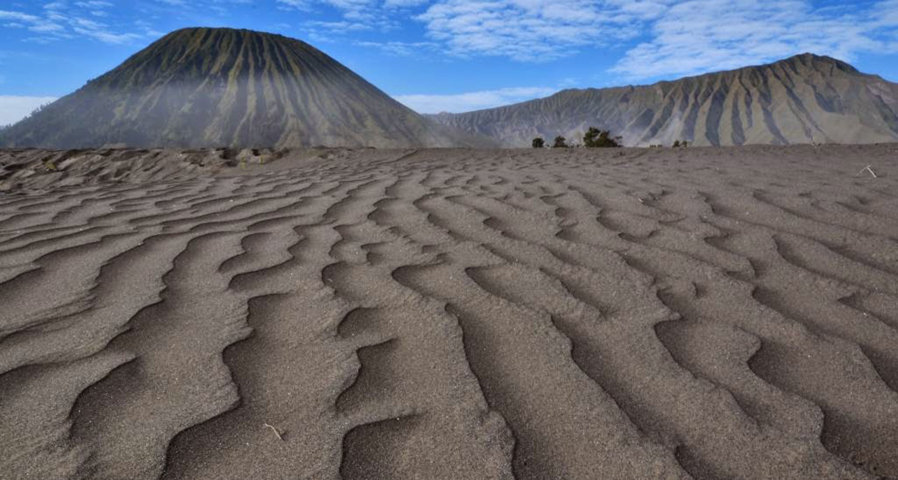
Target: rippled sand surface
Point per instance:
(450, 314)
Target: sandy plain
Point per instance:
(708, 313)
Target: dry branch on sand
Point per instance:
(275, 430)
(868, 168)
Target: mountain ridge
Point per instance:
(218, 87)
(761, 104)
(221, 87)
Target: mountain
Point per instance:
(203, 87)
(802, 99)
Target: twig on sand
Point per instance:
(868, 168)
(275, 430)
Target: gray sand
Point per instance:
(450, 314)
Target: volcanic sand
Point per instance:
(450, 314)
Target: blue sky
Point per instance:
(453, 55)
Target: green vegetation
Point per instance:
(596, 138)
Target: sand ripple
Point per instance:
(700, 313)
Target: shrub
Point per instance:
(676, 144)
(538, 142)
(596, 138)
(559, 142)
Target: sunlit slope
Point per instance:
(802, 99)
(221, 87)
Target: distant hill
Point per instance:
(203, 87)
(802, 99)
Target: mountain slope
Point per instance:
(802, 99)
(203, 87)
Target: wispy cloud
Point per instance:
(100, 31)
(675, 37)
(464, 102)
(531, 30)
(355, 15)
(34, 23)
(297, 4)
(62, 19)
(404, 3)
(94, 4)
(642, 39)
(15, 108)
(402, 49)
(701, 35)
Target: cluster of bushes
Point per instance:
(676, 144)
(594, 138)
(559, 142)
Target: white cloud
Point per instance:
(402, 49)
(886, 13)
(298, 4)
(24, 17)
(31, 22)
(350, 6)
(675, 37)
(60, 20)
(698, 36)
(100, 31)
(663, 38)
(464, 102)
(94, 4)
(534, 30)
(339, 26)
(13, 108)
(357, 15)
(404, 3)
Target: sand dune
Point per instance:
(450, 314)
